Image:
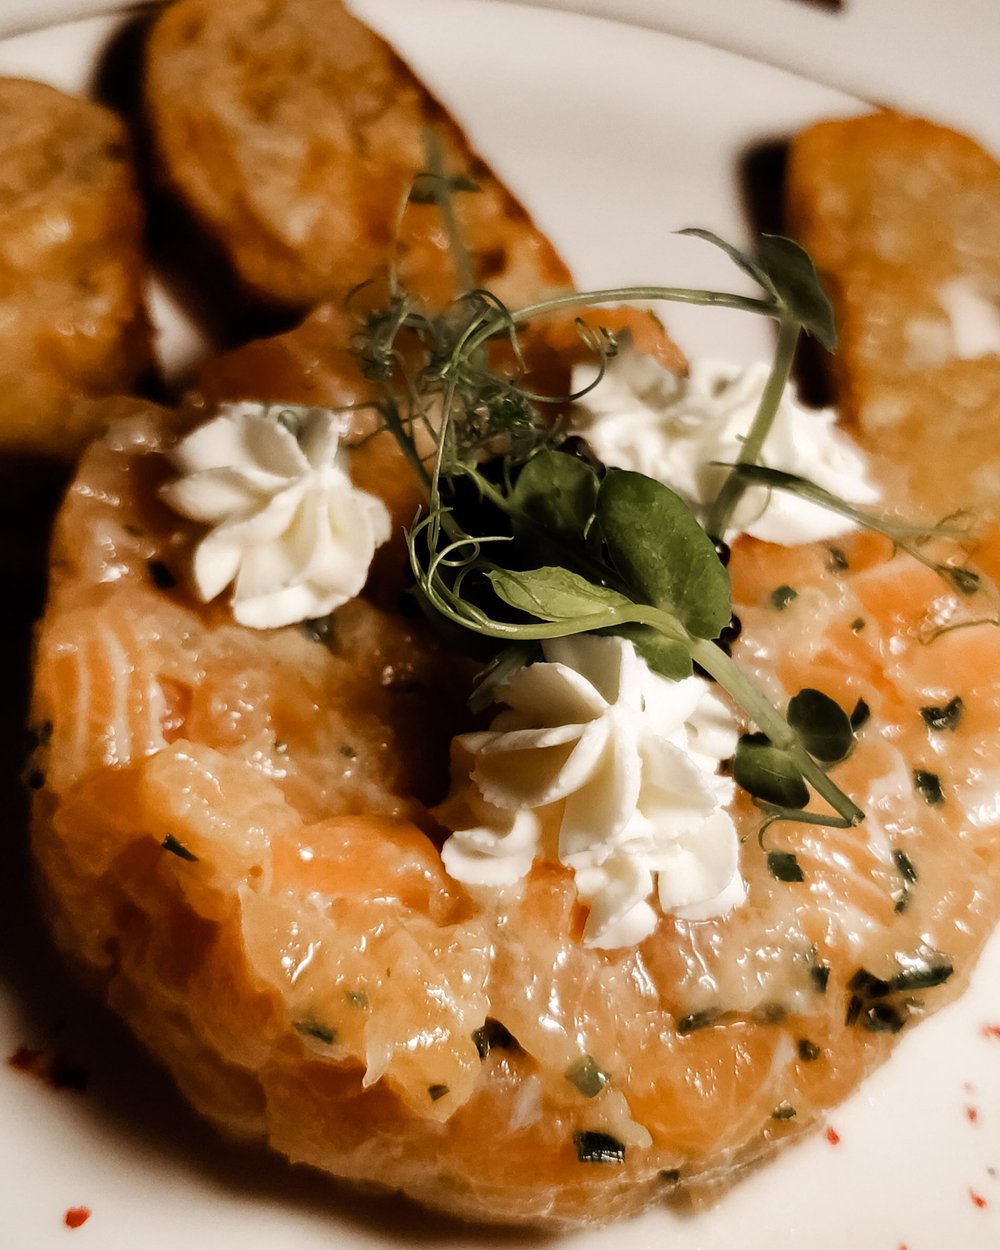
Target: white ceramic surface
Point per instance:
(615, 137)
(923, 56)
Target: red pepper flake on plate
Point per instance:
(832, 1136)
(972, 1115)
(977, 1199)
(992, 1031)
(24, 1059)
(76, 1216)
(57, 1070)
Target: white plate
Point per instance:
(615, 137)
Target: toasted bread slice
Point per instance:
(902, 218)
(294, 134)
(72, 320)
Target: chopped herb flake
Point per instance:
(858, 624)
(357, 998)
(348, 751)
(819, 974)
(929, 785)
(319, 629)
(698, 1020)
(861, 715)
(905, 865)
(947, 717)
(837, 562)
(588, 1076)
(436, 1091)
(594, 1147)
(321, 1032)
(783, 596)
(882, 1018)
(783, 866)
(492, 1036)
(964, 580)
(670, 1176)
(160, 575)
(783, 1111)
(171, 844)
(808, 1051)
(922, 977)
(868, 985)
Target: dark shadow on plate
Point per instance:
(761, 173)
(190, 266)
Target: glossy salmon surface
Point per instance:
(234, 838)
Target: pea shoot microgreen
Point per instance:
(526, 538)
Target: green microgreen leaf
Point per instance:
(662, 553)
(822, 725)
(793, 278)
(768, 773)
(663, 655)
(558, 492)
(739, 258)
(553, 593)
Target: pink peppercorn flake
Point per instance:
(76, 1216)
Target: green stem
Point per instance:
(489, 325)
(406, 445)
(770, 722)
(721, 512)
(464, 275)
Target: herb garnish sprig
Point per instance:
(525, 539)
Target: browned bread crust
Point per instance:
(72, 320)
(900, 216)
(293, 133)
